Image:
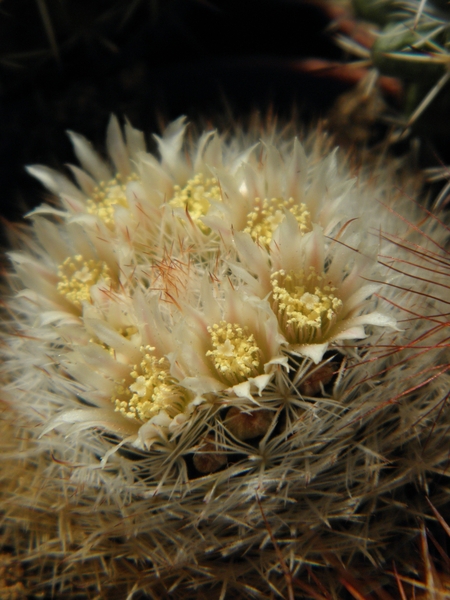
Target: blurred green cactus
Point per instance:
(411, 42)
(378, 11)
(410, 53)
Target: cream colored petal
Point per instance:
(85, 181)
(204, 140)
(51, 238)
(88, 158)
(350, 331)
(318, 187)
(46, 305)
(151, 324)
(95, 383)
(135, 140)
(256, 260)
(56, 182)
(58, 318)
(156, 182)
(359, 296)
(79, 237)
(41, 282)
(155, 429)
(243, 390)
(213, 153)
(169, 145)
(112, 338)
(99, 359)
(375, 318)
(81, 419)
(116, 147)
(293, 250)
(297, 173)
(241, 158)
(46, 209)
(273, 170)
(283, 361)
(262, 381)
(203, 384)
(313, 351)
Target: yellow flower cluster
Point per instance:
(221, 267)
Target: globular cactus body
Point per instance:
(230, 344)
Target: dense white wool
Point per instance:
(229, 272)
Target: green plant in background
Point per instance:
(411, 43)
(225, 370)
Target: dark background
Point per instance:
(149, 60)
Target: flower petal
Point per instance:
(313, 351)
(89, 159)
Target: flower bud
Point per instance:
(315, 379)
(208, 459)
(248, 425)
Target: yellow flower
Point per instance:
(318, 295)
(153, 390)
(77, 276)
(231, 343)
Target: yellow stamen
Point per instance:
(268, 214)
(77, 276)
(235, 355)
(107, 195)
(153, 390)
(196, 197)
(305, 304)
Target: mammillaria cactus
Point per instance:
(236, 343)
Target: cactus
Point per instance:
(408, 41)
(225, 369)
